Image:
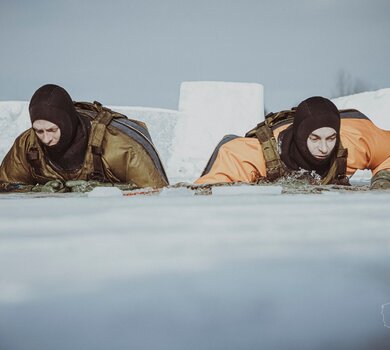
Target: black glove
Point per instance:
(381, 180)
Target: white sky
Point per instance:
(138, 52)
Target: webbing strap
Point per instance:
(99, 126)
(273, 163)
(33, 159)
(338, 171)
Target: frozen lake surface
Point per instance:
(246, 269)
(190, 272)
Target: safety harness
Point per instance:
(274, 165)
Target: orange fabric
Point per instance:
(368, 146)
(240, 159)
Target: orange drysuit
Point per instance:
(241, 160)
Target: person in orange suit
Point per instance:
(317, 136)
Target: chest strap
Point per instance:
(337, 173)
(33, 159)
(99, 126)
(274, 165)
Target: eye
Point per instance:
(39, 132)
(332, 138)
(313, 138)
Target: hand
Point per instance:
(52, 186)
(82, 185)
(381, 180)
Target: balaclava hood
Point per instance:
(52, 103)
(311, 114)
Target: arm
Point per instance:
(368, 146)
(240, 160)
(14, 167)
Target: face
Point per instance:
(47, 132)
(321, 142)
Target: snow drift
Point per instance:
(374, 104)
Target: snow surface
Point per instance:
(236, 270)
(195, 272)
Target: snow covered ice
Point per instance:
(182, 271)
(195, 272)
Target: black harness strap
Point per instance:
(337, 173)
(99, 126)
(33, 159)
(275, 167)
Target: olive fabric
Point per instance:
(311, 114)
(52, 103)
(124, 161)
(381, 180)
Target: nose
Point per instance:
(46, 138)
(323, 147)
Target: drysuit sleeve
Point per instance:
(239, 160)
(14, 167)
(368, 146)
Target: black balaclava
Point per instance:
(311, 114)
(52, 103)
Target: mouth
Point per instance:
(321, 157)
